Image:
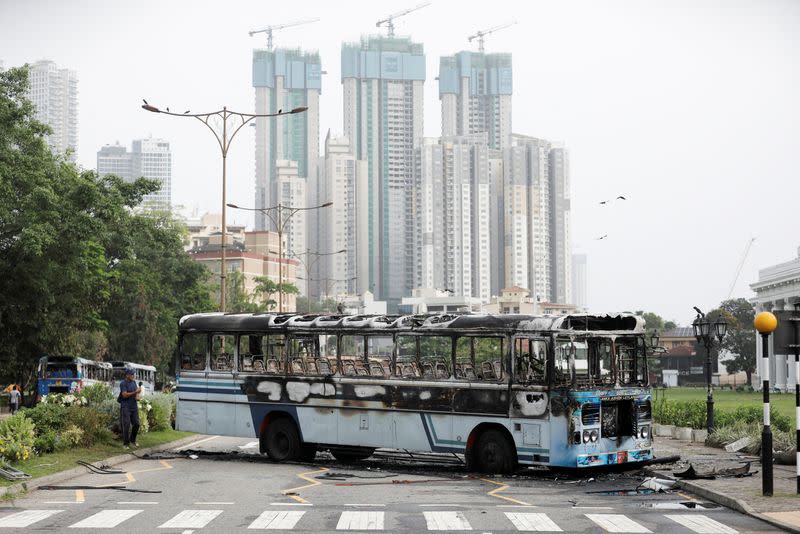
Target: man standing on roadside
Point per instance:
(14, 398)
(129, 409)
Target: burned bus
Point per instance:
(502, 390)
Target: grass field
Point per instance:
(782, 402)
(47, 464)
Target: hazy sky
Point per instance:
(688, 108)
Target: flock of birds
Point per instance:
(606, 203)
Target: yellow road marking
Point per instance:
(130, 478)
(311, 484)
(79, 496)
(503, 487)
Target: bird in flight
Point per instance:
(602, 237)
(604, 202)
(145, 102)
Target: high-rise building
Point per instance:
(54, 93)
(475, 91)
(284, 79)
(580, 281)
(342, 226)
(526, 209)
(382, 79)
(150, 158)
(536, 219)
(560, 228)
(453, 197)
(291, 190)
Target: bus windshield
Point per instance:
(61, 370)
(601, 361)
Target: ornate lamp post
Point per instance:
(217, 122)
(279, 220)
(705, 332)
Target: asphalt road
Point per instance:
(247, 492)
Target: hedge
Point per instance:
(693, 414)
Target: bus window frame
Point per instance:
(210, 367)
(412, 364)
(386, 371)
(449, 362)
(304, 359)
(546, 364)
(207, 336)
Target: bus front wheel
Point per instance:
(493, 453)
(282, 440)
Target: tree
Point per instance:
(80, 272)
(266, 288)
(237, 298)
(740, 341)
(655, 322)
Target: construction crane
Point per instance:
(480, 35)
(389, 21)
(269, 29)
(739, 268)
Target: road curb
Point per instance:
(724, 500)
(61, 476)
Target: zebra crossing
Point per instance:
(448, 520)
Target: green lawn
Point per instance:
(47, 464)
(782, 402)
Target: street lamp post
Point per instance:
(766, 323)
(309, 264)
(224, 140)
(275, 214)
(704, 332)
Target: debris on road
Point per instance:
(692, 474)
(660, 485)
(739, 444)
(119, 488)
(102, 469)
(9, 473)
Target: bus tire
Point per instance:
(493, 453)
(354, 454)
(282, 442)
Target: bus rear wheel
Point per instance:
(352, 454)
(493, 453)
(282, 442)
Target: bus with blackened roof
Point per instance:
(501, 390)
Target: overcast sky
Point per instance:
(690, 109)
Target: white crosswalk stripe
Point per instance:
(191, 519)
(533, 522)
(446, 521)
(277, 520)
(702, 524)
(617, 523)
(106, 519)
(357, 520)
(26, 518)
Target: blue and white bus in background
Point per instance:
(69, 374)
(145, 375)
(502, 390)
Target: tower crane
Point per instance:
(739, 268)
(389, 21)
(269, 29)
(480, 34)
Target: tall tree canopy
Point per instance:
(740, 340)
(79, 270)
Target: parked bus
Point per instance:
(144, 375)
(502, 390)
(69, 374)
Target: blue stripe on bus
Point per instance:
(210, 382)
(431, 440)
(210, 390)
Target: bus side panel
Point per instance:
(318, 424)
(192, 400)
(221, 392)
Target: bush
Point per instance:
(65, 399)
(92, 424)
(96, 394)
(16, 438)
(47, 442)
(109, 410)
(693, 414)
(160, 417)
(46, 417)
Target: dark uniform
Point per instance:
(128, 412)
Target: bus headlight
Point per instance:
(593, 436)
(586, 436)
(644, 432)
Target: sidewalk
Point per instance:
(741, 494)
